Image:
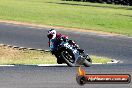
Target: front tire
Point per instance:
(88, 61)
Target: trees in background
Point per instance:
(121, 2)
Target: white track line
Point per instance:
(52, 65)
(114, 62)
(6, 65)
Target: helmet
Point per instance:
(51, 34)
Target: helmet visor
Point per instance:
(50, 36)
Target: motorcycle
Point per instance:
(72, 56)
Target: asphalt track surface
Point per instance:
(117, 47)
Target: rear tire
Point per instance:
(65, 58)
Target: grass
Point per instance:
(15, 56)
(93, 16)
(99, 59)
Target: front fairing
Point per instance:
(74, 50)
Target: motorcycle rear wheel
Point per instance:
(68, 57)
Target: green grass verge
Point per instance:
(15, 56)
(100, 17)
(99, 59)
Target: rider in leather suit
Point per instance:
(55, 39)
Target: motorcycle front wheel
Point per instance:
(88, 61)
